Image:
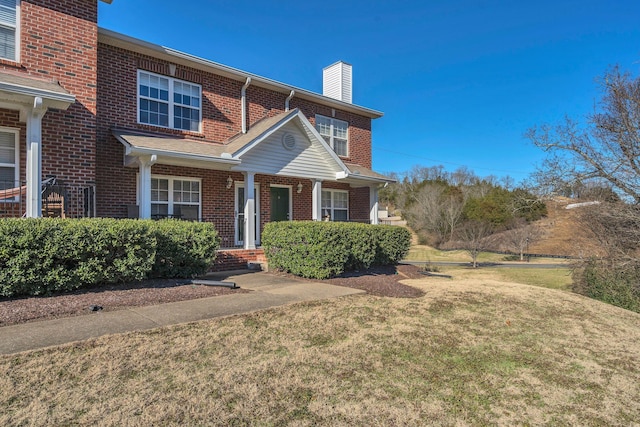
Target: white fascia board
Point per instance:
(136, 151)
(130, 150)
(129, 43)
(33, 92)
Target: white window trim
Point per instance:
(332, 120)
(170, 102)
(17, 47)
(332, 209)
(16, 165)
(170, 202)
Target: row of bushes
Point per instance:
(616, 285)
(320, 250)
(41, 256)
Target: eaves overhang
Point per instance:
(173, 157)
(113, 38)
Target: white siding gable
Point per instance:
(307, 159)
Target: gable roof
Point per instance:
(261, 150)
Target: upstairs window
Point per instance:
(335, 132)
(8, 29)
(168, 102)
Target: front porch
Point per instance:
(279, 170)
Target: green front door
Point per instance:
(279, 204)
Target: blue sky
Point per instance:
(459, 81)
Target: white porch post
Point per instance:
(34, 159)
(316, 203)
(144, 184)
(373, 204)
(249, 211)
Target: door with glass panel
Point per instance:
(239, 212)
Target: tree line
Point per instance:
(460, 210)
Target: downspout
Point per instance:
(243, 97)
(286, 102)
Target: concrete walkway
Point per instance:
(267, 291)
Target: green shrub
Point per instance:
(323, 249)
(184, 249)
(40, 256)
(46, 255)
(307, 249)
(392, 244)
(619, 286)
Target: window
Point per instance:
(335, 205)
(335, 133)
(9, 159)
(175, 198)
(8, 29)
(167, 102)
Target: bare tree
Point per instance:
(425, 213)
(472, 234)
(452, 208)
(616, 226)
(521, 235)
(606, 148)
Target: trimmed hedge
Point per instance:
(319, 250)
(185, 249)
(46, 255)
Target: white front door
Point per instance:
(239, 213)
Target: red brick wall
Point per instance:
(117, 107)
(59, 42)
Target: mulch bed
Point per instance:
(109, 298)
(380, 281)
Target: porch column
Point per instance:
(144, 184)
(34, 159)
(373, 204)
(316, 203)
(249, 211)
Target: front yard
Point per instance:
(471, 351)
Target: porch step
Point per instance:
(236, 259)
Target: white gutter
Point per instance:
(286, 101)
(243, 96)
(130, 150)
(42, 93)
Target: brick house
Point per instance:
(107, 125)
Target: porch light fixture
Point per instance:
(299, 187)
(229, 182)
